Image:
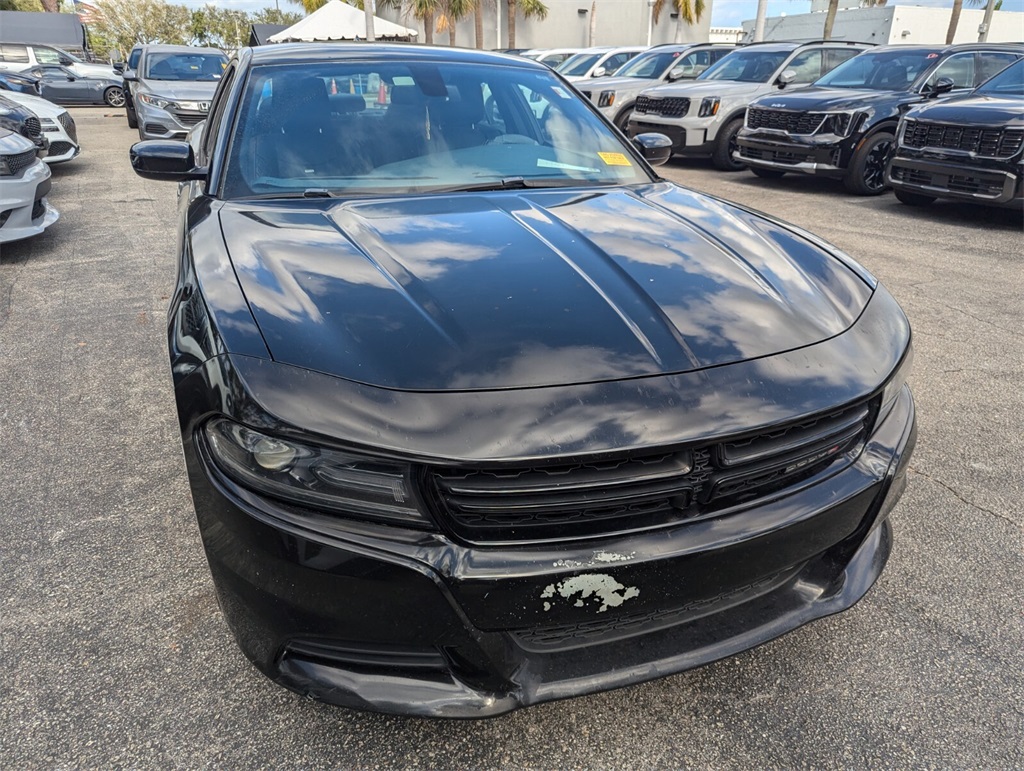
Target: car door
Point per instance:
(58, 85)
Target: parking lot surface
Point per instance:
(114, 652)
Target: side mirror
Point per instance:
(676, 73)
(65, 61)
(787, 77)
(600, 72)
(166, 160)
(119, 66)
(130, 77)
(71, 78)
(655, 148)
(942, 86)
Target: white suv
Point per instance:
(703, 116)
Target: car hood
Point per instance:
(97, 71)
(606, 83)
(975, 110)
(177, 89)
(814, 99)
(699, 88)
(525, 289)
(38, 105)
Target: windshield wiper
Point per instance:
(518, 183)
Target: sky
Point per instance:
(724, 13)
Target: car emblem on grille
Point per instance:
(204, 106)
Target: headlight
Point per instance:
(606, 99)
(838, 123)
(48, 124)
(315, 476)
(895, 385)
(708, 107)
(156, 101)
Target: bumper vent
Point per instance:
(597, 498)
(60, 148)
(991, 143)
(31, 128)
(981, 185)
(68, 124)
(790, 121)
(669, 106)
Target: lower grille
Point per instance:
(18, 162)
(68, 124)
(593, 498)
(985, 187)
(774, 156)
(60, 148)
(669, 106)
(38, 209)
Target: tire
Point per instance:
(725, 144)
(866, 175)
(622, 120)
(114, 96)
(913, 199)
(766, 173)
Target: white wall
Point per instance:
(886, 25)
(619, 22)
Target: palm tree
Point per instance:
(690, 11)
(530, 9)
(478, 23)
(954, 18)
(311, 5)
(425, 10)
(452, 12)
(830, 19)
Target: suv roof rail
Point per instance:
(811, 42)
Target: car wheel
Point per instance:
(866, 175)
(622, 120)
(725, 146)
(914, 199)
(767, 173)
(114, 96)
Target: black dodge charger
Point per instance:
(479, 412)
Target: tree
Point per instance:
(690, 12)
(21, 5)
(425, 11)
(311, 5)
(126, 22)
(274, 16)
(452, 12)
(530, 9)
(954, 18)
(478, 23)
(830, 19)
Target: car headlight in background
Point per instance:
(156, 101)
(317, 477)
(49, 124)
(838, 123)
(708, 106)
(606, 99)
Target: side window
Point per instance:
(14, 53)
(133, 58)
(216, 116)
(807, 66)
(992, 62)
(836, 56)
(45, 55)
(960, 68)
(614, 62)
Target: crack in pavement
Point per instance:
(959, 497)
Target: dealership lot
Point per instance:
(115, 653)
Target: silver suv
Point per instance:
(702, 117)
(616, 94)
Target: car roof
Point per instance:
(314, 52)
(165, 48)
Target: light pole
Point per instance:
(650, 20)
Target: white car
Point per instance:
(552, 57)
(16, 57)
(24, 183)
(57, 123)
(596, 62)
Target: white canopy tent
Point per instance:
(338, 21)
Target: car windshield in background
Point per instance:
(746, 66)
(647, 65)
(339, 128)
(1009, 82)
(579, 64)
(180, 66)
(881, 71)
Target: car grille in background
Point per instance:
(774, 156)
(790, 121)
(18, 162)
(60, 148)
(190, 119)
(992, 143)
(669, 106)
(31, 128)
(68, 123)
(598, 497)
(984, 186)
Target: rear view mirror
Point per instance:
(655, 148)
(166, 160)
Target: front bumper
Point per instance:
(963, 182)
(24, 210)
(63, 146)
(157, 123)
(690, 135)
(411, 622)
(825, 156)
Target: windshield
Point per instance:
(182, 66)
(649, 65)
(579, 64)
(356, 127)
(1009, 82)
(880, 71)
(746, 66)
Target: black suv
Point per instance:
(970, 147)
(844, 125)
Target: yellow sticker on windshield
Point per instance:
(614, 159)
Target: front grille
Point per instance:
(592, 498)
(18, 162)
(189, 119)
(983, 186)
(68, 124)
(774, 156)
(31, 128)
(992, 143)
(668, 106)
(790, 121)
(60, 148)
(38, 209)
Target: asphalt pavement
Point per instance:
(113, 652)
